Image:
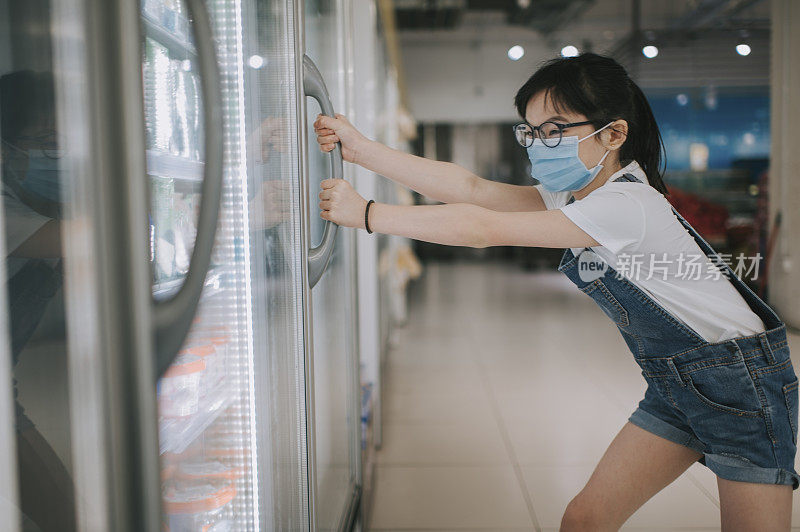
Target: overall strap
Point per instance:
(740, 285)
(707, 249)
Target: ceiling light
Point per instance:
(516, 52)
(743, 49)
(650, 51)
(569, 51)
(255, 61)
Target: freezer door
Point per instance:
(231, 407)
(332, 302)
(75, 278)
(9, 501)
(35, 434)
(104, 153)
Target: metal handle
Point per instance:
(320, 256)
(172, 317)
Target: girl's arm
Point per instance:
(455, 224)
(447, 182)
(438, 180)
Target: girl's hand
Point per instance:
(273, 198)
(341, 204)
(331, 130)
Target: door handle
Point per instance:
(172, 316)
(314, 86)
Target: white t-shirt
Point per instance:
(635, 225)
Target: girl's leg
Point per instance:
(637, 465)
(752, 506)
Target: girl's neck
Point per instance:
(598, 180)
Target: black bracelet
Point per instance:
(366, 216)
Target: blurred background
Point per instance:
(186, 345)
(494, 335)
(704, 66)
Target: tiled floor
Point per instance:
(502, 393)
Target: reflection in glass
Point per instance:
(275, 245)
(231, 409)
(33, 187)
(204, 396)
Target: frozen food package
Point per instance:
(215, 369)
(206, 469)
(179, 387)
(191, 506)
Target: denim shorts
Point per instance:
(734, 401)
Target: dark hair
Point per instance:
(599, 88)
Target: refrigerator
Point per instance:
(191, 359)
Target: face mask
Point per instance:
(43, 177)
(560, 168)
(40, 186)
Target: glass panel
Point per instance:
(332, 322)
(34, 172)
(273, 155)
(205, 397)
(231, 407)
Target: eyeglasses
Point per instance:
(550, 133)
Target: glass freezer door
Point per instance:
(75, 288)
(103, 157)
(232, 405)
(204, 394)
(36, 202)
(332, 314)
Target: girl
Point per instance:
(721, 386)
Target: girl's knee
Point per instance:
(584, 514)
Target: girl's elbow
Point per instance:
(481, 238)
(477, 232)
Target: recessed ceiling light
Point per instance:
(569, 51)
(650, 51)
(255, 61)
(516, 52)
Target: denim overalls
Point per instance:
(735, 401)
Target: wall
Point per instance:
(733, 126)
(467, 78)
(784, 271)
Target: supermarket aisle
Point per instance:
(503, 393)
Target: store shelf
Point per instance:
(177, 46)
(211, 287)
(162, 164)
(165, 288)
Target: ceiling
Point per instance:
(550, 19)
(695, 38)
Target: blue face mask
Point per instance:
(560, 168)
(40, 186)
(43, 177)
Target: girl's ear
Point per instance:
(616, 134)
